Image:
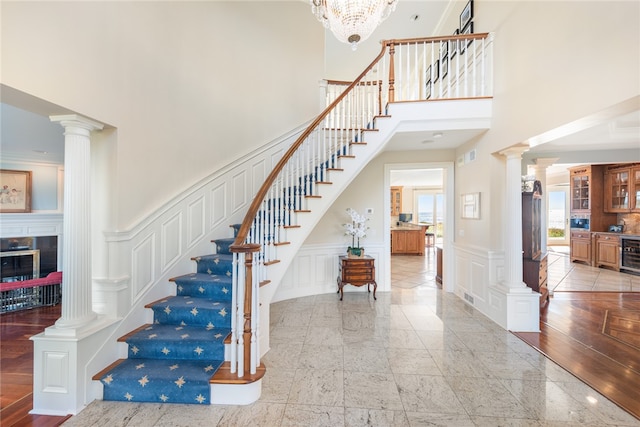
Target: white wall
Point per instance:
(189, 86)
(555, 62)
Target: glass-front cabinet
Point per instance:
(396, 201)
(580, 181)
(635, 188)
(617, 187)
(622, 188)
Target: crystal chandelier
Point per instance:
(352, 21)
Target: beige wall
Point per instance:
(554, 62)
(189, 86)
(368, 191)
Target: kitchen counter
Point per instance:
(408, 239)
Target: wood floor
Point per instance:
(594, 335)
(16, 362)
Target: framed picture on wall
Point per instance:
(444, 49)
(436, 71)
(463, 44)
(15, 191)
(453, 48)
(470, 206)
(467, 15)
(444, 67)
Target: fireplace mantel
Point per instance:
(30, 225)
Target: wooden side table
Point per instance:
(357, 272)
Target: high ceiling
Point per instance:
(27, 131)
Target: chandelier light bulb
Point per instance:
(352, 21)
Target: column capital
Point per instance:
(515, 151)
(75, 120)
(545, 162)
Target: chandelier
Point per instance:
(352, 21)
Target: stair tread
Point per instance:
(163, 381)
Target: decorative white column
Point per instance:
(76, 248)
(522, 304)
(540, 169)
(61, 353)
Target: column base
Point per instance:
(515, 308)
(60, 375)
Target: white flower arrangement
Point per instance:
(357, 228)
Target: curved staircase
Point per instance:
(177, 358)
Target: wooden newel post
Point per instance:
(392, 74)
(248, 286)
(247, 250)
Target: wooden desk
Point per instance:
(357, 272)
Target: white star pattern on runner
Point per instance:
(217, 336)
(151, 336)
(108, 379)
(180, 382)
(201, 398)
(183, 336)
(223, 312)
(164, 398)
(182, 323)
(228, 274)
(167, 310)
(180, 288)
(194, 311)
(135, 350)
(198, 350)
(143, 381)
(173, 367)
(165, 350)
(225, 290)
(148, 328)
(210, 326)
(216, 261)
(208, 368)
(190, 302)
(179, 328)
(201, 289)
(139, 366)
(209, 271)
(128, 396)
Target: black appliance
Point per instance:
(630, 253)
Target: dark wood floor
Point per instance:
(16, 362)
(595, 336)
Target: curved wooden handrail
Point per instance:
(262, 192)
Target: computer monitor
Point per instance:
(405, 217)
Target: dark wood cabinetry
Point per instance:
(357, 272)
(534, 274)
(534, 262)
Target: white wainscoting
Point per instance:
(477, 271)
(314, 271)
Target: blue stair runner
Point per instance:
(172, 360)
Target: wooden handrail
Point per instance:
(262, 192)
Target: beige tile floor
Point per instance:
(564, 275)
(415, 357)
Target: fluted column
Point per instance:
(76, 248)
(513, 220)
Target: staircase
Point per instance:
(175, 359)
(204, 341)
